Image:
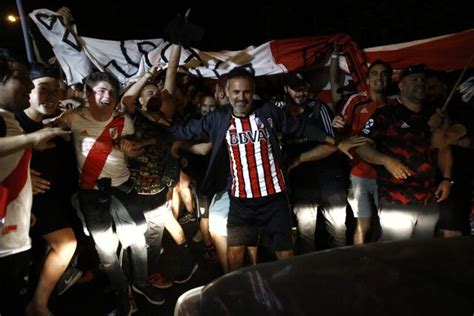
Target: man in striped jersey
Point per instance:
(256, 179)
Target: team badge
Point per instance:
(270, 122)
(113, 132)
(368, 126)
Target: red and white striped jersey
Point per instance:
(255, 171)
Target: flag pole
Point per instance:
(24, 28)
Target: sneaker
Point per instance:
(152, 294)
(87, 276)
(184, 271)
(159, 281)
(70, 276)
(210, 254)
(186, 218)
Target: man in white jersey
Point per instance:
(15, 183)
(257, 185)
(101, 144)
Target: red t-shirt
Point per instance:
(356, 112)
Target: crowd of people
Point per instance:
(171, 149)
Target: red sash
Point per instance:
(99, 152)
(11, 187)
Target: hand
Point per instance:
(32, 220)
(41, 138)
(154, 71)
(295, 163)
(129, 147)
(437, 119)
(354, 141)
(338, 122)
(67, 17)
(39, 184)
(397, 169)
(443, 190)
(175, 147)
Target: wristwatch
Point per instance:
(448, 179)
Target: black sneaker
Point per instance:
(184, 271)
(187, 273)
(69, 277)
(152, 294)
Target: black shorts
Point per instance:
(270, 214)
(53, 212)
(13, 283)
(455, 211)
(150, 202)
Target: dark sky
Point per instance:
(243, 23)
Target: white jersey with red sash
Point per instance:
(15, 194)
(255, 172)
(97, 157)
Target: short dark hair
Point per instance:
(6, 61)
(240, 72)
(383, 63)
(93, 79)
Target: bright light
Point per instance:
(11, 18)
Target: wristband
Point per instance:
(148, 75)
(448, 179)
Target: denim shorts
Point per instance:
(218, 212)
(362, 196)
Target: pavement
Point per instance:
(95, 296)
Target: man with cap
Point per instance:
(318, 183)
(51, 203)
(405, 161)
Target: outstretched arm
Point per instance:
(322, 151)
(38, 140)
(395, 167)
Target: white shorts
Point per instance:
(218, 212)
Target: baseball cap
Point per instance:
(294, 80)
(412, 69)
(40, 71)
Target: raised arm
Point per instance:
(130, 97)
